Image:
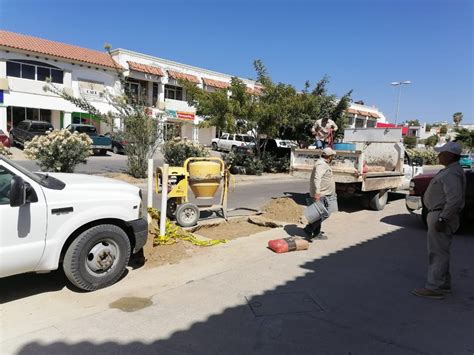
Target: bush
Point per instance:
(431, 141)
(409, 142)
(176, 151)
(274, 164)
(60, 150)
(4, 151)
(429, 156)
(245, 163)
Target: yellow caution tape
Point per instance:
(173, 233)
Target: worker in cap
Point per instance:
(444, 200)
(322, 187)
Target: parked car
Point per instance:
(88, 224)
(100, 144)
(118, 142)
(4, 139)
(230, 142)
(418, 186)
(466, 161)
(26, 130)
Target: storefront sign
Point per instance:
(187, 116)
(91, 88)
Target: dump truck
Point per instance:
(369, 163)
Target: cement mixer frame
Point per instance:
(178, 206)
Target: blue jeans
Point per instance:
(320, 144)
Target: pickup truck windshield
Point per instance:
(90, 130)
(41, 178)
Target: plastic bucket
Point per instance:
(344, 146)
(316, 211)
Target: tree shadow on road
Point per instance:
(356, 300)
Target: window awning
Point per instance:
(181, 76)
(215, 83)
(143, 68)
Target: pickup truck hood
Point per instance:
(90, 182)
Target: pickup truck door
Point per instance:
(22, 229)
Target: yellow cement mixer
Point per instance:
(204, 176)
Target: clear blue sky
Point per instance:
(362, 45)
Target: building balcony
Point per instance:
(178, 105)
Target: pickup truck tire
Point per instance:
(214, 146)
(103, 152)
(233, 149)
(378, 200)
(187, 215)
(98, 257)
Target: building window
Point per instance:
(17, 114)
(350, 119)
(173, 92)
(360, 122)
(33, 70)
(138, 90)
(155, 94)
(371, 123)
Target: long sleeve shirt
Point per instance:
(446, 191)
(322, 179)
(322, 130)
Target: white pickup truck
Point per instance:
(230, 142)
(89, 224)
(370, 162)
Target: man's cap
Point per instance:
(328, 152)
(451, 147)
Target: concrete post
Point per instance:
(67, 119)
(3, 119)
(164, 200)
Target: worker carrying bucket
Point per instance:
(204, 175)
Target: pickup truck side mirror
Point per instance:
(17, 192)
(417, 161)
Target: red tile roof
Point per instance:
(148, 69)
(257, 90)
(351, 110)
(55, 49)
(177, 75)
(216, 83)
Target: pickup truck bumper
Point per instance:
(413, 203)
(97, 147)
(140, 231)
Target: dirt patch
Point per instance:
(169, 254)
(232, 229)
(131, 304)
(284, 209)
(124, 177)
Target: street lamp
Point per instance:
(399, 84)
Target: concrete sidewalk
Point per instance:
(347, 294)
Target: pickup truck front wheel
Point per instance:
(97, 258)
(214, 146)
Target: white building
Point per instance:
(26, 62)
(155, 80)
(364, 116)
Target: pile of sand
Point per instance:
(284, 209)
(231, 229)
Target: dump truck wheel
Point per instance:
(378, 200)
(187, 215)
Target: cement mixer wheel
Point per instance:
(187, 215)
(171, 207)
